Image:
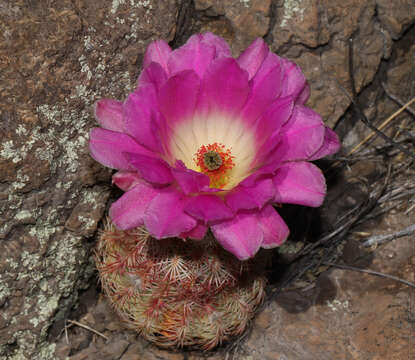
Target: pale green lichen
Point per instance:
(290, 247)
(59, 143)
(21, 180)
(24, 215)
(4, 291)
(337, 305)
(21, 130)
(45, 351)
(10, 152)
(115, 5)
(46, 307)
(292, 9)
(245, 3)
(85, 67)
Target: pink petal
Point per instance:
(153, 75)
(263, 93)
(253, 197)
(190, 181)
(159, 52)
(177, 98)
(128, 211)
(240, 235)
(302, 135)
(294, 83)
(194, 55)
(126, 180)
(208, 208)
(140, 120)
(221, 46)
(197, 233)
(304, 95)
(262, 172)
(109, 114)
(300, 183)
(164, 217)
(268, 157)
(107, 147)
(254, 55)
(225, 87)
(265, 87)
(152, 169)
(331, 145)
(273, 226)
(277, 114)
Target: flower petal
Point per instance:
(331, 145)
(268, 156)
(177, 98)
(300, 183)
(159, 52)
(140, 119)
(194, 55)
(221, 46)
(265, 87)
(164, 217)
(225, 87)
(304, 95)
(208, 208)
(154, 75)
(126, 180)
(302, 135)
(253, 197)
(277, 114)
(252, 58)
(294, 83)
(197, 233)
(152, 169)
(273, 226)
(240, 235)
(109, 114)
(190, 181)
(128, 211)
(107, 147)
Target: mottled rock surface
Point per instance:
(58, 57)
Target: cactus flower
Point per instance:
(210, 141)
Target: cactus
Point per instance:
(178, 293)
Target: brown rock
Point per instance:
(396, 16)
(240, 22)
(326, 27)
(301, 23)
(56, 59)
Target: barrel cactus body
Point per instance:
(178, 293)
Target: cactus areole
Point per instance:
(206, 141)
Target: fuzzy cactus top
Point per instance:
(207, 140)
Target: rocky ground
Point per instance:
(58, 57)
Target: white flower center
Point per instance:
(190, 135)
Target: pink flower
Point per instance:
(207, 140)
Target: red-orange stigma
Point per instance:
(215, 161)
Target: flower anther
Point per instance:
(215, 161)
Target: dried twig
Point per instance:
(382, 126)
(74, 322)
(66, 334)
(371, 272)
(380, 239)
(410, 209)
